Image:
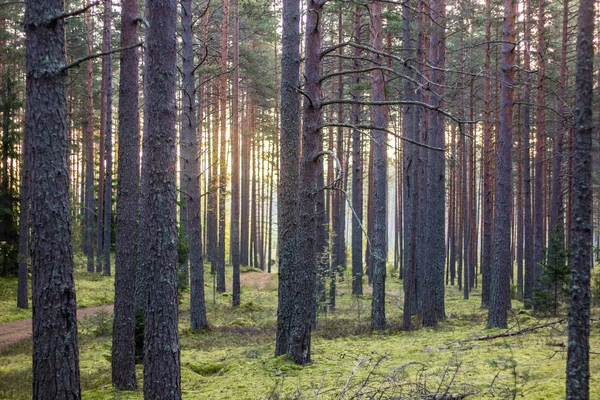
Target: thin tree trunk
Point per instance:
(108, 142)
(89, 154)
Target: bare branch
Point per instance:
(96, 55)
(75, 12)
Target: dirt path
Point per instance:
(15, 331)
(258, 280)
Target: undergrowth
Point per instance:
(233, 358)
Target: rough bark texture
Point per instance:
(123, 349)
(433, 300)
(578, 370)
(158, 221)
(288, 169)
(304, 276)
(502, 260)
(191, 173)
(379, 249)
(357, 171)
(55, 350)
(234, 245)
(108, 143)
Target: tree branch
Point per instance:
(96, 55)
(75, 12)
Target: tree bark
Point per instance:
(578, 370)
(23, 272)
(89, 154)
(158, 221)
(501, 267)
(288, 166)
(55, 349)
(108, 141)
(123, 349)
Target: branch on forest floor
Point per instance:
(508, 334)
(77, 62)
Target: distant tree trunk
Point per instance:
(191, 173)
(357, 171)
(556, 225)
(89, 154)
(539, 232)
(104, 106)
(245, 190)
(379, 194)
(578, 358)
(212, 217)
(433, 304)
(527, 222)
(501, 267)
(123, 349)
(287, 200)
(488, 151)
(234, 244)
(158, 221)
(223, 153)
(55, 349)
(23, 283)
(108, 142)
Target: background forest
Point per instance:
(271, 199)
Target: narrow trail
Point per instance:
(16, 331)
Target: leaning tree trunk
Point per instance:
(158, 221)
(123, 349)
(55, 349)
(578, 357)
(501, 267)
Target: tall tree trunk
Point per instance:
(158, 221)
(433, 304)
(539, 232)
(23, 272)
(223, 152)
(488, 150)
(528, 231)
(357, 171)
(287, 200)
(55, 349)
(501, 267)
(108, 142)
(305, 271)
(123, 348)
(379, 172)
(234, 244)
(578, 370)
(89, 154)
(191, 172)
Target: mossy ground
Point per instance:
(234, 358)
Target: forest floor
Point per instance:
(234, 357)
